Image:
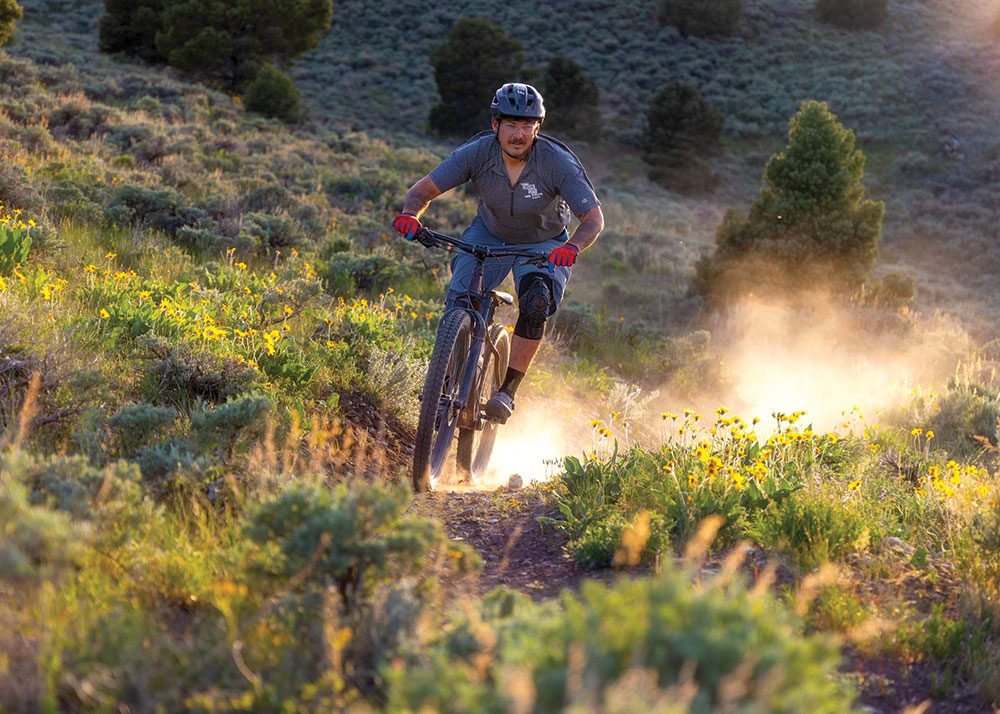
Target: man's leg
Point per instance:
(535, 302)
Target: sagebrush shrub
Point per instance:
(273, 94)
(221, 426)
(38, 542)
(701, 17)
(162, 209)
(638, 637)
(180, 374)
(853, 14)
(71, 484)
(134, 424)
(347, 537)
(475, 61)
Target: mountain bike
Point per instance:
(467, 367)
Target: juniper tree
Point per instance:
(130, 26)
(681, 125)
(477, 58)
(274, 94)
(230, 42)
(10, 12)
(571, 99)
(811, 226)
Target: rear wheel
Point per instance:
(438, 411)
(476, 446)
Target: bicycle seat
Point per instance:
(499, 296)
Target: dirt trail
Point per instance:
(503, 528)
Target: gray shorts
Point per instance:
(496, 269)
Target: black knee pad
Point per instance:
(534, 299)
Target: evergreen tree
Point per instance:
(680, 118)
(810, 227)
(853, 14)
(701, 17)
(273, 94)
(230, 42)
(475, 61)
(10, 12)
(681, 126)
(571, 99)
(130, 26)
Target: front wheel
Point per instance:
(438, 409)
(475, 447)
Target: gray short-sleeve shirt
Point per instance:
(537, 207)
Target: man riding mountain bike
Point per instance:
(527, 185)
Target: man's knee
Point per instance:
(534, 300)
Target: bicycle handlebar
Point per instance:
(431, 238)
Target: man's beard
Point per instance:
(522, 148)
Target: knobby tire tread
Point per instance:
(437, 370)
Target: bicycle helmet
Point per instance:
(518, 101)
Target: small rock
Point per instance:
(515, 482)
(899, 545)
(492, 521)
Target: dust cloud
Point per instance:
(542, 431)
(827, 358)
(824, 358)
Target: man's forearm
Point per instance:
(419, 197)
(591, 225)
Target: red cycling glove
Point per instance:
(406, 225)
(564, 255)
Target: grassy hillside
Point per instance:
(903, 89)
(211, 350)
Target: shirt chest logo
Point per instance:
(530, 191)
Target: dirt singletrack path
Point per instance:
(503, 527)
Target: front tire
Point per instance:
(476, 447)
(438, 413)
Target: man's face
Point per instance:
(516, 136)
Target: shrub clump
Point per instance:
(701, 17)
(853, 14)
(346, 537)
(680, 126)
(633, 646)
(810, 228)
(38, 542)
(134, 424)
(814, 529)
(179, 374)
(477, 58)
(273, 94)
(893, 291)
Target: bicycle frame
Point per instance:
(482, 317)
